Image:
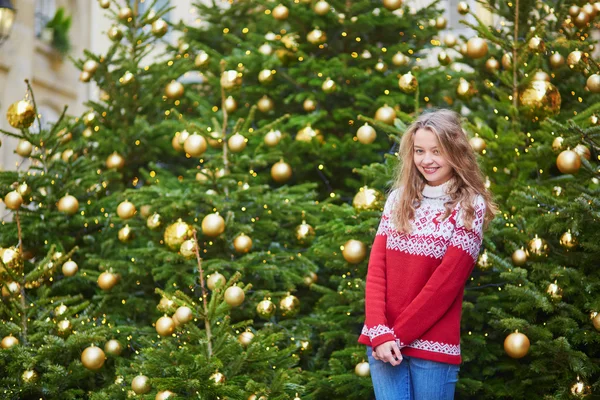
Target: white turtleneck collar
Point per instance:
(434, 192)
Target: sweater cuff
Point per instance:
(388, 337)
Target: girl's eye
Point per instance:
(418, 151)
(436, 152)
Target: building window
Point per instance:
(44, 12)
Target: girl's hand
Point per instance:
(388, 352)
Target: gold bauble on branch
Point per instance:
(68, 204)
(354, 251)
(596, 320)
(477, 47)
(230, 79)
(176, 234)
(184, 314)
(113, 347)
(165, 326)
(242, 243)
(536, 44)
(465, 89)
(13, 200)
(516, 345)
(218, 378)
(380, 66)
(463, 7)
(362, 369)
(392, 5)
(153, 221)
(9, 341)
(329, 85)
(594, 120)
(174, 90)
(574, 10)
(309, 105)
(24, 148)
(11, 289)
(583, 151)
(289, 306)
(483, 261)
(281, 12)
(64, 327)
(265, 104)
(234, 296)
(160, 28)
(385, 114)
(213, 225)
(265, 49)
(321, 7)
(316, 36)
(305, 233)
(195, 145)
(400, 60)
(557, 143)
(87, 132)
(126, 210)
(541, 76)
(568, 240)
(202, 59)
(441, 22)
(589, 10)
(556, 60)
(281, 172)
(450, 40)
(230, 104)
(519, 257)
(24, 190)
(145, 210)
(237, 143)
(21, 114)
(575, 58)
(366, 134)
(477, 144)
(245, 338)
(215, 280)
(125, 234)
(554, 291)
(540, 99)
(115, 33)
(164, 395)
(60, 310)
(581, 20)
(93, 358)
(307, 134)
(115, 160)
(568, 162)
(507, 60)
(30, 376)
(408, 83)
(593, 83)
(107, 280)
(367, 199)
(70, 268)
(537, 247)
(141, 384)
(125, 13)
(265, 309)
(11, 258)
(580, 390)
(104, 3)
(90, 66)
(188, 248)
(272, 138)
(179, 139)
(443, 58)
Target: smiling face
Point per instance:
(428, 158)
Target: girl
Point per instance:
(425, 249)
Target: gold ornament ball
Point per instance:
(400, 60)
(234, 296)
(93, 358)
(13, 200)
(265, 309)
(115, 33)
(230, 79)
(113, 347)
(60, 310)
(184, 314)
(367, 199)
(307, 134)
(537, 44)
(281, 12)
(230, 104)
(265, 49)
(541, 76)
(11, 289)
(568, 240)
(153, 221)
(516, 345)
(272, 138)
(574, 10)
(145, 210)
(164, 395)
(70, 268)
(589, 10)
(265, 76)
(24, 190)
(305, 233)
(174, 90)
(392, 5)
(30, 376)
(245, 338)
(281, 172)
(381, 66)
(596, 321)
(242, 243)
(213, 225)
(385, 114)
(309, 105)
(218, 378)
(125, 13)
(492, 65)
(141, 384)
(362, 369)
(125, 234)
(329, 86)
(477, 144)
(289, 306)
(484, 262)
(408, 83)
(160, 28)
(519, 257)
(441, 22)
(24, 148)
(107, 280)
(87, 133)
(507, 61)
(10, 257)
(321, 7)
(104, 3)
(557, 143)
(450, 40)
(179, 139)
(354, 251)
(537, 247)
(316, 36)
(237, 143)
(126, 210)
(202, 59)
(165, 326)
(580, 389)
(176, 234)
(463, 7)
(21, 114)
(581, 19)
(568, 162)
(583, 151)
(593, 83)
(265, 104)
(115, 160)
(64, 327)
(9, 341)
(556, 61)
(215, 280)
(188, 248)
(90, 66)
(477, 48)
(195, 145)
(443, 58)
(554, 291)
(540, 99)
(366, 134)
(68, 205)
(575, 57)
(594, 120)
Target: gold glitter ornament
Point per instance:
(580, 390)
(11, 289)
(234, 296)
(366, 134)
(568, 162)
(64, 327)
(30, 376)
(408, 83)
(265, 309)
(289, 306)
(21, 114)
(113, 347)
(516, 345)
(245, 338)
(165, 326)
(164, 395)
(540, 99)
(153, 221)
(519, 257)
(230, 79)
(305, 233)
(281, 172)
(385, 114)
(24, 148)
(554, 291)
(125, 234)
(68, 204)
(188, 248)
(202, 59)
(354, 251)
(483, 261)
(362, 369)
(218, 378)
(537, 247)
(9, 341)
(367, 199)
(93, 358)
(568, 240)
(307, 134)
(141, 384)
(176, 234)
(60, 310)
(557, 143)
(70, 268)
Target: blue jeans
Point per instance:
(413, 379)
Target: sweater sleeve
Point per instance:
(447, 281)
(376, 325)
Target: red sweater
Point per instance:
(415, 282)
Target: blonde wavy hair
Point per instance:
(467, 181)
